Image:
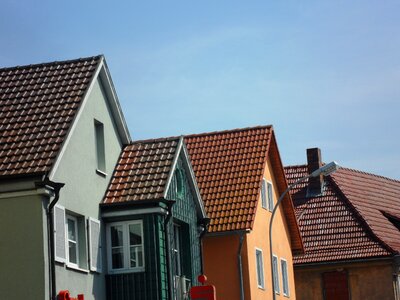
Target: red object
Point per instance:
(64, 295)
(203, 292)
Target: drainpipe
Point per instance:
(170, 203)
(204, 224)
(240, 266)
(56, 187)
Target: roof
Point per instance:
(229, 167)
(38, 104)
(346, 222)
(142, 171)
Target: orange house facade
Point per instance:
(240, 176)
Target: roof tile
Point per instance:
(37, 105)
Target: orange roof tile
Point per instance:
(345, 222)
(37, 106)
(229, 167)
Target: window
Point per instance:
(276, 274)
(180, 184)
(264, 194)
(100, 146)
(267, 196)
(285, 280)
(72, 241)
(270, 196)
(260, 268)
(125, 247)
(176, 249)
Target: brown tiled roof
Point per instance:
(229, 167)
(142, 171)
(345, 222)
(37, 106)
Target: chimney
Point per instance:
(314, 162)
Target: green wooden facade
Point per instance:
(159, 247)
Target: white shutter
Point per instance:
(59, 233)
(94, 245)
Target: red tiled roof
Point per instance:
(142, 171)
(336, 225)
(37, 106)
(229, 167)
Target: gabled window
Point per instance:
(264, 194)
(125, 247)
(100, 146)
(285, 280)
(276, 274)
(260, 268)
(267, 195)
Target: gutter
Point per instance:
(56, 187)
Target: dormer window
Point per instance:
(100, 147)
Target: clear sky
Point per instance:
(325, 73)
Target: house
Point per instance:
(154, 218)
(240, 177)
(82, 208)
(350, 225)
(61, 133)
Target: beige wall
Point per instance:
(258, 238)
(367, 281)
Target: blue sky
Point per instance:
(325, 73)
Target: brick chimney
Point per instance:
(314, 162)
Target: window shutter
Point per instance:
(95, 245)
(59, 233)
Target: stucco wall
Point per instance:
(367, 281)
(220, 265)
(84, 188)
(258, 238)
(22, 252)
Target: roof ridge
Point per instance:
(52, 63)
(161, 139)
(371, 174)
(295, 166)
(228, 131)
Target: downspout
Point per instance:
(240, 266)
(204, 224)
(170, 203)
(56, 187)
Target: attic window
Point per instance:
(100, 147)
(180, 187)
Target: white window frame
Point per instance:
(67, 240)
(270, 195)
(264, 201)
(125, 246)
(95, 263)
(275, 267)
(284, 270)
(260, 277)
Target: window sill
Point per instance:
(101, 173)
(75, 268)
(126, 271)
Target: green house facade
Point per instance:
(154, 219)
